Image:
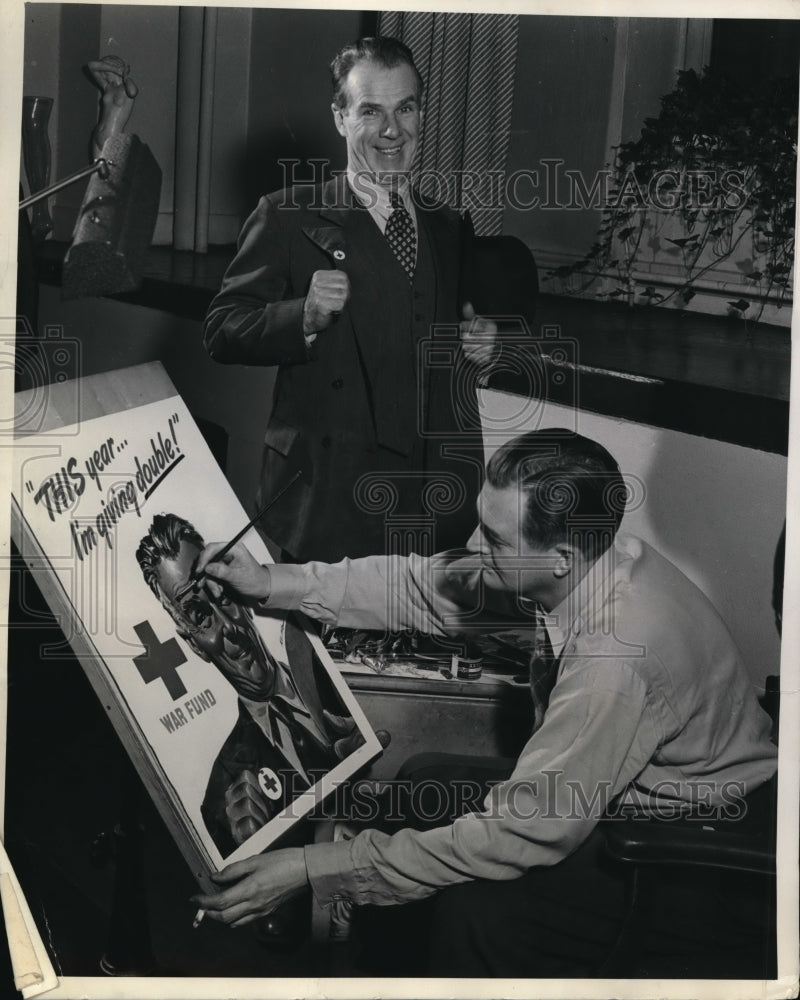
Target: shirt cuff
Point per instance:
(330, 871)
(287, 587)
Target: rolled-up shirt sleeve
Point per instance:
(592, 743)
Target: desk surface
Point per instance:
(491, 684)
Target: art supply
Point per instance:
(467, 667)
(239, 535)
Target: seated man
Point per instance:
(642, 698)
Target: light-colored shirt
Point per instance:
(376, 197)
(651, 700)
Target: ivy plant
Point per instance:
(710, 180)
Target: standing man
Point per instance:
(341, 286)
(642, 703)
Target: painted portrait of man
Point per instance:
(291, 728)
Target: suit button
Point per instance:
(418, 317)
(337, 383)
(326, 441)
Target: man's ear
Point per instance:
(189, 640)
(338, 118)
(566, 559)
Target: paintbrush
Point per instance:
(238, 536)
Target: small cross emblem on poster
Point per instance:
(269, 783)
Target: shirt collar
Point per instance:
(287, 698)
(569, 618)
(375, 197)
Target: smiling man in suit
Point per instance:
(346, 288)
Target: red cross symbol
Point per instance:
(159, 660)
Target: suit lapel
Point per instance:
(348, 236)
(337, 200)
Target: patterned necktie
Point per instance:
(401, 235)
(543, 668)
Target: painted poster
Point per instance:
(238, 719)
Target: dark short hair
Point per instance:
(163, 541)
(573, 489)
(385, 51)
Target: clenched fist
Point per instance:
(244, 805)
(327, 296)
(478, 336)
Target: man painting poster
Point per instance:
(240, 719)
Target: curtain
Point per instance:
(468, 63)
(197, 40)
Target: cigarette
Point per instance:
(198, 918)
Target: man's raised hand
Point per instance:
(328, 294)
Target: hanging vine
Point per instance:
(710, 180)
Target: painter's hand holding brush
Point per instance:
(226, 569)
(236, 568)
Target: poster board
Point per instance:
(113, 492)
(789, 700)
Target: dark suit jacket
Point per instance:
(247, 749)
(356, 401)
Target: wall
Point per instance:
(60, 40)
(290, 93)
(582, 86)
(229, 203)
(42, 66)
(558, 113)
(716, 510)
(271, 96)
